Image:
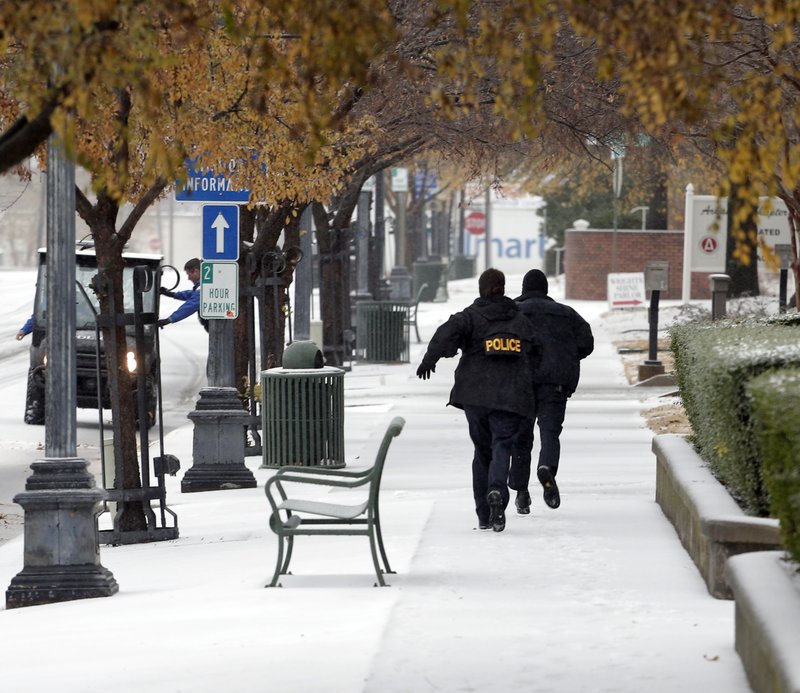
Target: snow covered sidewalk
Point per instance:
(598, 595)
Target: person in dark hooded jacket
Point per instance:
(566, 339)
(493, 385)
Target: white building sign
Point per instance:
(706, 233)
(710, 229)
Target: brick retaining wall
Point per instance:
(587, 261)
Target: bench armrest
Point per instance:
(322, 471)
(327, 481)
(320, 480)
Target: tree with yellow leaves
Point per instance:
(56, 56)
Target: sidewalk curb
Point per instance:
(767, 613)
(711, 526)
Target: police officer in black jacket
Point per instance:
(493, 385)
(566, 339)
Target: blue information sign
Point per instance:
(209, 187)
(220, 232)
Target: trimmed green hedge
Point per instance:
(713, 363)
(775, 407)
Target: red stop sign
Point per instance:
(475, 223)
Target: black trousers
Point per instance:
(493, 434)
(551, 406)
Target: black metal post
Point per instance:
(652, 367)
(652, 315)
(782, 289)
(380, 236)
(719, 295)
(303, 281)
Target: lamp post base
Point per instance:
(219, 443)
(650, 369)
(61, 557)
(36, 585)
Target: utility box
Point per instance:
(784, 253)
(382, 331)
(656, 276)
(303, 411)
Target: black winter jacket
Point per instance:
(565, 336)
(498, 382)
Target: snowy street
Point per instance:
(598, 595)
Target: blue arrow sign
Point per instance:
(220, 232)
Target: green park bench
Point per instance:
(412, 315)
(291, 516)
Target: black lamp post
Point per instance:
(61, 555)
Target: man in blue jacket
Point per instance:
(493, 385)
(26, 329)
(566, 339)
(190, 297)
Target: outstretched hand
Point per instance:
(162, 322)
(424, 371)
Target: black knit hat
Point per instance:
(534, 280)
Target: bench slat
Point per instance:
(342, 512)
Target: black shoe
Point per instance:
(551, 495)
(523, 502)
(497, 515)
(484, 524)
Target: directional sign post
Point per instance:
(625, 289)
(220, 232)
(219, 290)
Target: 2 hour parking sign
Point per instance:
(219, 290)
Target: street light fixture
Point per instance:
(643, 210)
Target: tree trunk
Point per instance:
(792, 201)
(242, 325)
(659, 203)
(272, 268)
(334, 287)
(109, 288)
(744, 277)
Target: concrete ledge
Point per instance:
(658, 380)
(766, 587)
(711, 526)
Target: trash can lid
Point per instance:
(302, 354)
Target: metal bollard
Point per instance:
(719, 295)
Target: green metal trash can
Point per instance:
(303, 416)
(382, 331)
(462, 267)
(432, 273)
